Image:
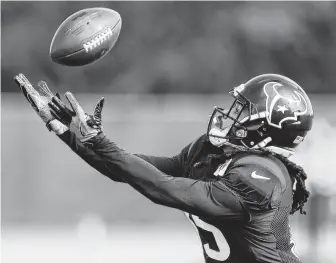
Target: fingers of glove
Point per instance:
(24, 91)
(59, 103)
(58, 96)
(18, 81)
(36, 101)
(61, 112)
(55, 109)
(93, 123)
(23, 82)
(31, 100)
(97, 113)
(55, 114)
(46, 114)
(75, 105)
(44, 89)
(23, 86)
(62, 106)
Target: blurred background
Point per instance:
(172, 63)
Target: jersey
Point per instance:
(239, 206)
(264, 187)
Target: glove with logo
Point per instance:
(85, 126)
(39, 102)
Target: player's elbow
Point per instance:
(160, 198)
(156, 200)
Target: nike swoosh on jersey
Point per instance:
(257, 176)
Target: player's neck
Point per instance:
(281, 151)
(278, 150)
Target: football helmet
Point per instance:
(269, 110)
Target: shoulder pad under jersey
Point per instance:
(257, 180)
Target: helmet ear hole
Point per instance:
(241, 133)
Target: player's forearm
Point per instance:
(168, 165)
(136, 171)
(182, 193)
(89, 156)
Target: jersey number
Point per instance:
(223, 246)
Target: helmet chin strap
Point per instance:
(259, 145)
(263, 143)
(281, 151)
(219, 142)
(278, 150)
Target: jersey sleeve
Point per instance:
(89, 156)
(170, 165)
(173, 166)
(193, 196)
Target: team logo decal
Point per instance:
(283, 105)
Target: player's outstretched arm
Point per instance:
(39, 100)
(196, 197)
(170, 165)
(238, 194)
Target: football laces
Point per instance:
(98, 40)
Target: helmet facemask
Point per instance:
(227, 125)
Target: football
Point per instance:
(85, 36)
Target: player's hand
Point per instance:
(39, 102)
(85, 126)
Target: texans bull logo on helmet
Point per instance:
(283, 104)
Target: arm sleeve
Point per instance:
(170, 165)
(197, 197)
(173, 166)
(88, 155)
